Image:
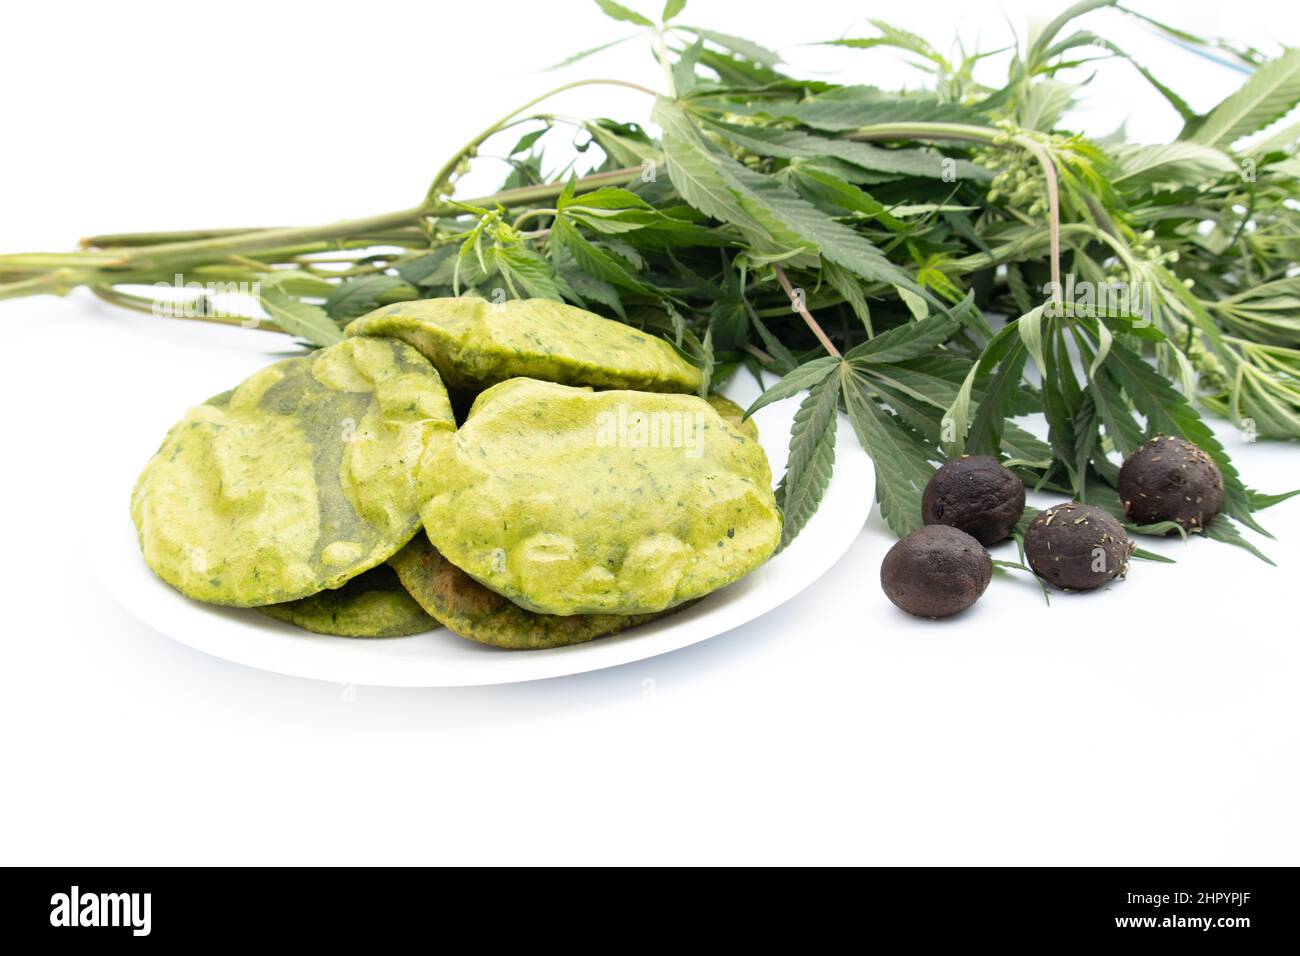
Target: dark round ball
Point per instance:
(936, 571)
(977, 495)
(1077, 547)
(1170, 479)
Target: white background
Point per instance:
(1154, 723)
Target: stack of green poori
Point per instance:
(587, 491)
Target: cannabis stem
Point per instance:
(797, 302)
(441, 183)
(161, 256)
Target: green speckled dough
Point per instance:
(733, 413)
(474, 343)
(561, 500)
(467, 608)
(373, 604)
(302, 477)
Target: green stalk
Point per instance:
(440, 182)
(161, 257)
(55, 282)
(139, 303)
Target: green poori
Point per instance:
(465, 607)
(571, 501)
(373, 604)
(734, 414)
(305, 475)
(475, 343)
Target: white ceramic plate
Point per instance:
(440, 658)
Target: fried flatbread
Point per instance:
(475, 343)
(373, 604)
(308, 473)
(569, 501)
(733, 413)
(467, 608)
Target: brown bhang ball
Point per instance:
(977, 495)
(1170, 479)
(936, 571)
(1077, 547)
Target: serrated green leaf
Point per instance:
(1030, 327)
(526, 271)
(850, 287)
(914, 379)
(1005, 351)
(299, 318)
(767, 211)
(919, 308)
(694, 172)
(908, 341)
(812, 457)
(607, 197)
(1142, 554)
(1157, 529)
(1086, 436)
(838, 197)
(1221, 529)
(1259, 501)
(616, 11)
(1105, 340)
(835, 242)
(921, 417)
(1190, 164)
(738, 45)
(1271, 93)
(853, 107)
(528, 140)
(359, 295)
(590, 51)
(1022, 448)
(784, 359)
(622, 149)
(794, 144)
(892, 36)
(902, 459)
(1121, 426)
(1019, 288)
(432, 268)
(589, 288)
(989, 425)
(1061, 397)
(1042, 103)
(597, 262)
(792, 383)
(1042, 41)
(684, 69)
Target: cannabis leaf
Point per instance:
(298, 318)
(794, 144)
(903, 462)
(1271, 93)
(358, 296)
(812, 457)
(1185, 163)
(617, 11)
